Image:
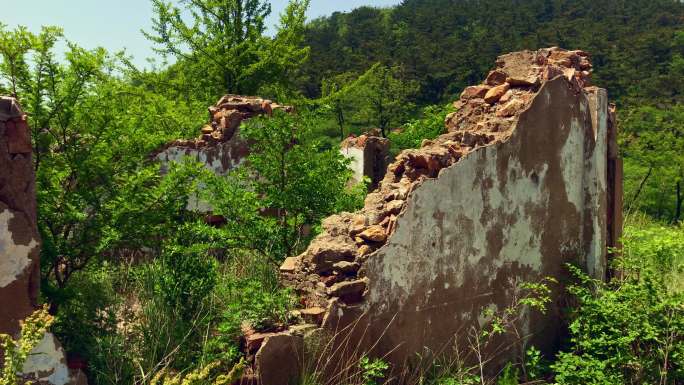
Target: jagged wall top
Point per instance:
(225, 118)
(486, 114)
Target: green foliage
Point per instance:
(509, 376)
(446, 45)
(16, 352)
(384, 97)
(373, 370)
(247, 293)
(92, 134)
(631, 329)
(88, 305)
(188, 275)
(338, 93)
(429, 126)
(535, 365)
(250, 303)
(223, 43)
(652, 142)
(299, 184)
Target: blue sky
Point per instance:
(116, 24)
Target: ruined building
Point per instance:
(20, 247)
(526, 179)
(219, 147)
(369, 156)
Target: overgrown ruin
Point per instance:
(219, 147)
(20, 248)
(526, 179)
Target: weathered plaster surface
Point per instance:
(596, 184)
(220, 158)
(14, 257)
(46, 362)
(514, 211)
(356, 155)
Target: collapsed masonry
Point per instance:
(526, 179)
(20, 247)
(369, 156)
(219, 147)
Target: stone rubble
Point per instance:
(225, 118)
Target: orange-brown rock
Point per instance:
(346, 267)
(313, 315)
(475, 92)
(348, 289)
(495, 78)
(280, 359)
(493, 95)
(511, 108)
(289, 265)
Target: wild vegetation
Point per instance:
(147, 293)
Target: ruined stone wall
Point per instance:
(19, 240)
(525, 180)
(369, 157)
(219, 146)
(20, 247)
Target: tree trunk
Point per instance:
(678, 209)
(638, 191)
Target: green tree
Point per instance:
(337, 92)
(224, 46)
(652, 143)
(288, 184)
(92, 136)
(384, 97)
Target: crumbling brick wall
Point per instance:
(525, 180)
(20, 246)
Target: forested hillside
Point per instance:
(449, 44)
(637, 50)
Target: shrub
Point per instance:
(372, 371)
(248, 293)
(429, 126)
(16, 352)
(630, 330)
